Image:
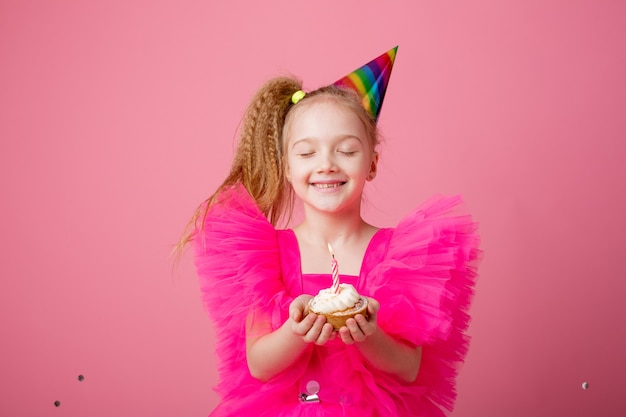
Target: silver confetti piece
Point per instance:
(310, 396)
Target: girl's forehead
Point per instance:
(328, 115)
(320, 104)
(324, 116)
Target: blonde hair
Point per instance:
(340, 95)
(259, 161)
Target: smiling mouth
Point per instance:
(331, 185)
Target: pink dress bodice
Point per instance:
(422, 273)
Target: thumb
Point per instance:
(373, 306)
(295, 310)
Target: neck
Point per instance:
(319, 229)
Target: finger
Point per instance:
(361, 320)
(345, 335)
(295, 313)
(355, 330)
(304, 326)
(295, 310)
(333, 334)
(315, 329)
(372, 306)
(326, 334)
(365, 325)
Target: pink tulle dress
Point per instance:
(422, 273)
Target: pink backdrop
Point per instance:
(117, 117)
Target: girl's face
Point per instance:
(329, 157)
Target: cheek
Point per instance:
(291, 169)
(364, 166)
(295, 173)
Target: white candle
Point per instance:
(334, 270)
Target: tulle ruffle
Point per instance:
(425, 285)
(235, 249)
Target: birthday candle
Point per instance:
(335, 270)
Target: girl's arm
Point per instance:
(380, 349)
(271, 352)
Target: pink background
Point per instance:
(118, 117)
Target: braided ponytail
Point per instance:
(258, 161)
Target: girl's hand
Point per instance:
(359, 328)
(311, 327)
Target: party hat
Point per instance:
(371, 80)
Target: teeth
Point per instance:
(334, 185)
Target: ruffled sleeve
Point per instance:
(425, 285)
(237, 261)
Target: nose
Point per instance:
(327, 163)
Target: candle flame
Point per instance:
(330, 249)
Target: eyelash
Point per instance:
(309, 154)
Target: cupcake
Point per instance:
(337, 308)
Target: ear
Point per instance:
(373, 167)
(288, 174)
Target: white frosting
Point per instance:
(326, 301)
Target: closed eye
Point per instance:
(348, 153)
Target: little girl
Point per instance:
(276, 358)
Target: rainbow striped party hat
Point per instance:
(371, 80)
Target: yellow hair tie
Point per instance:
(297, 96)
